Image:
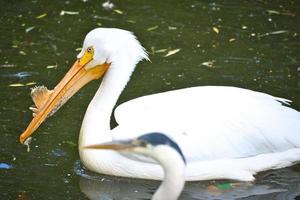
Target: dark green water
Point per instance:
(251, 44)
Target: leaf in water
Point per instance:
(65, 12)
(52, 66)
(244, 27)
(78, 49)
(208, 63)
(273, 12)
(8, 65)
(29, 29)
(22, 53)
(172, 52)
(118, 11)
(16, 85)
(272, 33)
(172, 28)
(5, 166)
(41, 16)
(216, 30)
(278, 32)
(31, 83)
(70, 143)
(99, 24)
(160, 51)
(152, 28)
(107, 5)
(131, 21)
(231, 39)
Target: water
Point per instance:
(250, 44)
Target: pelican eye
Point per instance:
(87, 56)
(90, 49)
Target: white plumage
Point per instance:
(224, 132)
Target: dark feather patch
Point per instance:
(161, 139)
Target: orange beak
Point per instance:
(75, 79)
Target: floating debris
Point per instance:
(7, 65)
(27, 143)
(118, 11)
(107, 5)
(272, 33)
(223, 187)
(172, 28)
(21, 84)
(39, 95)
(5, 166)
(30, 83)
(16, 85)
(152, 28)
(216, 30)
(22, 53)
(153, 50)
(131, 21)
(99, 24)
(29, 29)
(160, 51)
(172, 52)
(51, 66)
(41, 16)
(65, 12)
(78, 49)
(275, 12)
(70, 143)
(19, 75)
(244, 27)
(232, 39)
(208, 63)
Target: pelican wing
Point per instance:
(214, 122)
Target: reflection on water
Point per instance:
(249, 44)
(277, 184)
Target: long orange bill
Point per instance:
(48, 102)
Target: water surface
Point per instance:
(249, 44)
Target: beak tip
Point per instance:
(22, 139)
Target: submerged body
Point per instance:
(237, 136)
(224, 132)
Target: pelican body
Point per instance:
(224, 132)
(156, 146)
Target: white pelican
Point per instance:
(224, 132)
(156, 146)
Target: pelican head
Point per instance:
(110, 45)
(104, 49)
